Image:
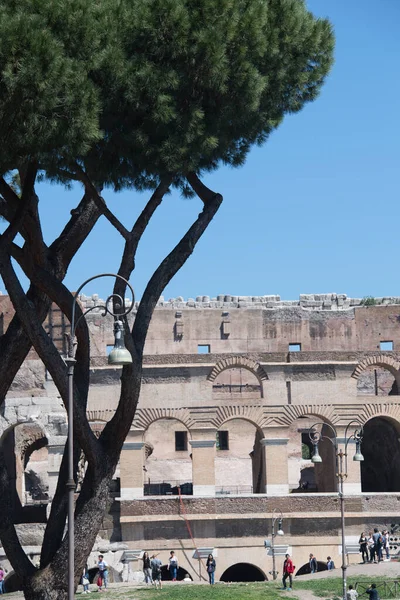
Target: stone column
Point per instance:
(55, 453)
(352, 483)
(203, 462)
(276, 464)
(131, 466)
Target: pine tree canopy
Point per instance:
(132, 90)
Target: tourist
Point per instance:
(371, 547)
(386, 543)
(85, 580)
(103, 573)
(156, 565)
(313, 564)
(147, 568)
(288, 570)
(330, 564)
(378, 540)
(372, 592)
(363, 541)
(173, 565)
(352, 594)
(211, 565)
(2, 590)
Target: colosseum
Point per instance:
(220, 443)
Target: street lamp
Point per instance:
(118, 356)
(276, 516)
(341, 468)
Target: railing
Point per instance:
(234, 489)
(390, 588)
(168, 488)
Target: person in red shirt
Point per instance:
(288, 570)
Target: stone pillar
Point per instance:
(276, 464)
(55, 453)
(203, 462)
(131, 464)
(352, 483)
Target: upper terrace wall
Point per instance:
(229, 324)
(245, 324)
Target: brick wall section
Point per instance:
(250, 505)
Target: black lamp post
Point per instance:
(118, 356)
(341, 471)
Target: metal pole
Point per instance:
(71, 483)
(341, 476)
(273, 550)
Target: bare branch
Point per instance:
(102, 206)
(116, 430)
(204, 193)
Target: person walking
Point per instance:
(330, 565)
(2, 575)
(147, 568)
(156, 565)
(313, 564)
(173, 565)
(85, 580)
(211, 566)
(363, 541)
(103, 573)
(352, 594)
(288, 570)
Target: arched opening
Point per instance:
(243, 572)
(25, 453)
(168, 463)
(304, 475)
(380, 470)
(239, 461)
(12, 583)
(236, 383)
(305, 569)
(113, 575)
(376, 380)
(166, 575)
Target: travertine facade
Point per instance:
(231, 387)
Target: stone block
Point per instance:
(56, 418)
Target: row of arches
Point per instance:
(240, 462)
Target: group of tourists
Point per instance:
(102, 577)
(152, 568)
(374, 545)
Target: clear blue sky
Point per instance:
(315, 210)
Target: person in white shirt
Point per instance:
(352, 594)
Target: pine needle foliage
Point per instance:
(135, 89)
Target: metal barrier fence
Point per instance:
(234, 489)
(168, 488)
(390, 588)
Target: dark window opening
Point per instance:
(180, 441)
(222, 440)
(306, 446)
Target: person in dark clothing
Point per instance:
(313, 564)
(363, 541)
(372, 592)
(211, 566)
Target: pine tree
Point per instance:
(143, 94)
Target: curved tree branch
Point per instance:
(117, 428)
